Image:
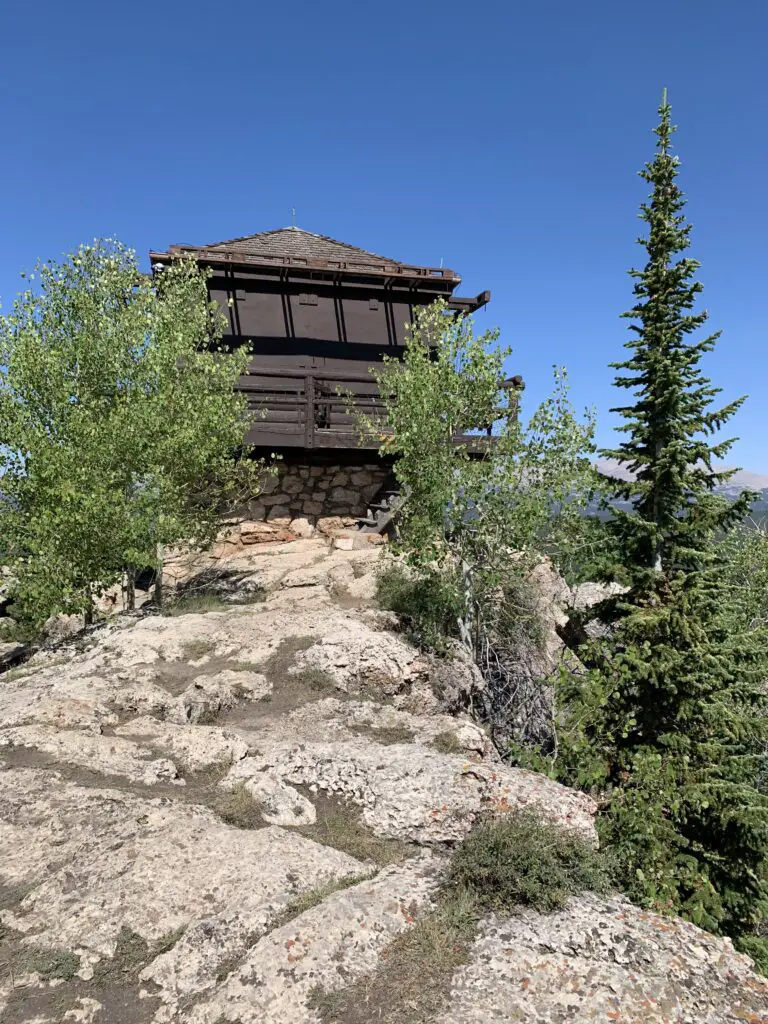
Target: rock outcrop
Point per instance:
(211, 817)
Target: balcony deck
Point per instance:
(310, 408)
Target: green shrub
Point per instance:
(195, 604)
(756, 947)
(426, 599)
(519, 860)
(501, 865)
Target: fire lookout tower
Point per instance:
(319, 314)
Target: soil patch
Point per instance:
(176, 676)
(115, 983)
(290, 690)
(350, 602)
(201, 788)
(340, 825)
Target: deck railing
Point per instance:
(313, 408)
(310, 407)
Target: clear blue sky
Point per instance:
(502, 137)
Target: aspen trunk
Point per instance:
(130, 588)
(159, 577)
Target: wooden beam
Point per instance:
(467, 305)
(439, 275)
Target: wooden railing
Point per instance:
(312, 408)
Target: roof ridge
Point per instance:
(352, 249)
(347, 245)
(242, 238)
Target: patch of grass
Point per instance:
(502, 865)
(228, 964)
(518, 860)
(12, 895)
(386, 735)
(168, 941)
(115, 981)
(341, 827)
(238, 808)
(413, 980)
(315, 679)
(195, 604)
(132, 954)
(232, 962)
(447, 743)
(48, 963)
(243, 666)
(313, 897)
(194, 649)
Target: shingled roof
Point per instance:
(295, 251)
(293, 243)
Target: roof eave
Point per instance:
(293, 264)
(469, 305)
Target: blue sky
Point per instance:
(501, 137)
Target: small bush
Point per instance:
(427, 600)
(756, 947)
(315, 679)
(447, 743)
(518, 860)
(238, 808)
(18, 631)
(501, 865)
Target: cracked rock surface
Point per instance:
(603, 959)
(209, 818)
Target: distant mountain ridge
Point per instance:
(742, 480)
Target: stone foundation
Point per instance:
(302, 499)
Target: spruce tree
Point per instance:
(676, 718)
(669, 424)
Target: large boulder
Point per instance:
(603, 959)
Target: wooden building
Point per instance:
(319, 314)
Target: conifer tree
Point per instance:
(671, 720)
(668, 426)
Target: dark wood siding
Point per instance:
(313, 312)
(312, 338)
(365, 318)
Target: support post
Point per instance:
(309, 412)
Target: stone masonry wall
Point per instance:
(301, 499)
